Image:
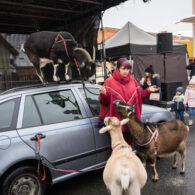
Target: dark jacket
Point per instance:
(177, 104)
(154, 81)
(192, 68)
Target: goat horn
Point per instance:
(85, 52)
(124, 121)
(104, 129)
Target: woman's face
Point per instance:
(124, 71)
(147, 74)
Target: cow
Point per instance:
(58, 47)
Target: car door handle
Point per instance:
(41, 136)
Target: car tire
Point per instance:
(23, 180)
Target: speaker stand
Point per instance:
(164, 64)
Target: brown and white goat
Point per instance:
(165, 140)
(124, 172)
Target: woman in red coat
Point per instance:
(124, 87)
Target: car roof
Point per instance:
(41, 88)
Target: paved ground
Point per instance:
(170, 183)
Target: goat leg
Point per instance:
(41, 76)
(183, 165)
(134, 189)
(175, 162)
(143, 158)
(55, 77)
(116, 189)
(155, 174)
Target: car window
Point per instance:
(9, 113)
(31, 117)
(57, 106)
(92, 99)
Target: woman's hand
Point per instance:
(102, 90)
(153, 88)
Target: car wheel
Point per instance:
(23, 181)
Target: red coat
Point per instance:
(121, 88)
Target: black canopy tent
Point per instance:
(142, 49)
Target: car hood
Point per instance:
(149, 109)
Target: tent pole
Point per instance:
(103, 48)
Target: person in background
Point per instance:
(189, 99)
(191, 67)
(151, 79)
(178, 105)
(122, 86)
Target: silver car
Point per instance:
(67, 126)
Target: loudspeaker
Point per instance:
(164, 43)
(168, 90)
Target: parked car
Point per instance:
(68, 127)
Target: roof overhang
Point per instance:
(189, 20)
(24, 17)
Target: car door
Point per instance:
(102, 141)
(68, 140)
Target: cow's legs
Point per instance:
(55, 77)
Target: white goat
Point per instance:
(124, 173)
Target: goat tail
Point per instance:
(125, 179)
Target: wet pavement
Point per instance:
(170, 182)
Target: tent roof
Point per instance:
(132, 34)
(133, 40)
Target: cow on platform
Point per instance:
(58, 47)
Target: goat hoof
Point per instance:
(157, 158)
(182, 172)
(154, 180)
(45, 84)
(174, 167)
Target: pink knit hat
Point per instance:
(192, 81)
(123, 62)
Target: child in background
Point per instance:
(178, 105)
(189, 99)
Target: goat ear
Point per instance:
(104, 129)
(106, 120)
(124, 121)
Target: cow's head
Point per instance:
(125, 110)
(86, 65)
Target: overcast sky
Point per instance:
(155, 16)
